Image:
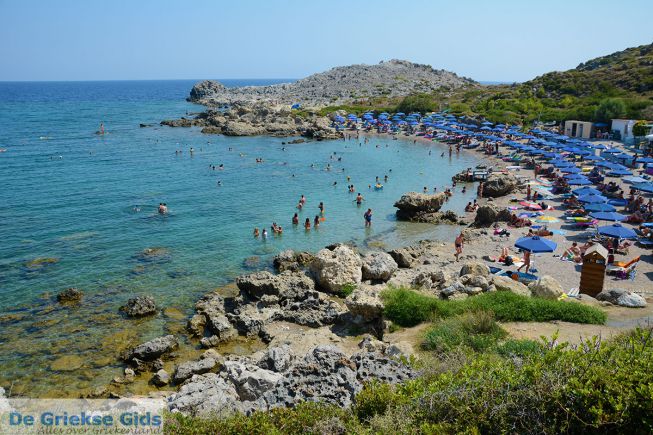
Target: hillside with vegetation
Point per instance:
(619, 85)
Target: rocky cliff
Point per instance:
(395, 78)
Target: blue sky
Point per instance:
(503, 40)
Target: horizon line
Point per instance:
(502, 82)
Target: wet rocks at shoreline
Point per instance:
(499, 184)
(70, 296)
(139, 306)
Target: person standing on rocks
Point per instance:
(458, 243)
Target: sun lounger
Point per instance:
(620, 268)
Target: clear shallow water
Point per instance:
(69, 195)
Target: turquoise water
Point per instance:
(89, 203)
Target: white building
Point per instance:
(624, 127)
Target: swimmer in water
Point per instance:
(295, 219)
(316, 222)
(163, 208)
(359, 199)
(265, 233)
(321, 207)
(368, 218)
(256, 233)
(302, 200)
(307, 224)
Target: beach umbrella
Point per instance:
(600, 207)
(563, 164)
(530, 205)
(592, 157)
(608, 216)
(618, 231)
(536, 244)
(571, 170)
(486, 123)
(619, 172)
(644, 187)
(644, 160)
(485, 128)
(611, 151)
(586, 191)
(592, 199)
(633, 180)
(598, 147)
(579, 181)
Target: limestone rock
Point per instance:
(314, 311)
(161, 378)
(371, 365)
(488, 214)
(196, 325)
(335, 269)
(365, 303)
(139, 306)
(474, 268)
(505, 283)
(251, 381)
(412, 205)
(287, 285)
(71, 295)
(153, 349)
(371, 344)
(187, 369)
(278, 359)
(622, 298)
(378, 266)
(204, 394)
(546, 287)
(499, 184)
(291, 260)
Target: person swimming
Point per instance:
(265, 233)
(307, 224)
(316, 221)
(359, 199)
(321, 207)
(163, 208)
(295, 219)
(256, 232)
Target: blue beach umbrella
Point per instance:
(570, 170)
(633, 180)
(608, 216)
(611, 151)
(644, 160)
(592, 199)
(536, 244)
(592, 157)
(619, 172)
(616, 230)
(600, 207)
(644, 187)
(578, 181)
(586, 191)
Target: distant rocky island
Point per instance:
(267, 110)
(340, 85)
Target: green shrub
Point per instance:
(408, 308)
(521, 348)
(509, 307)
(475, 330)
(347, 289)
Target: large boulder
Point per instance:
(337, 268)
(430, 278)
(140, 306)
(378, 266)
(240, 128)
(278, 359)
(546, 287)
(505, 283)
(413, 255)
(372, 365)
(205, 89)
(287, 285)
(413, 205)
(204, 394)
(499, 184)
(314, 311)
(153, 349)
(489, 214)
(475, 268)
(292, 260)
(251, 381)
(325, 375)
(189, 368)
(365, 303)
(211, 306)
(622, 298)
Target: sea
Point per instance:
(78, 209)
